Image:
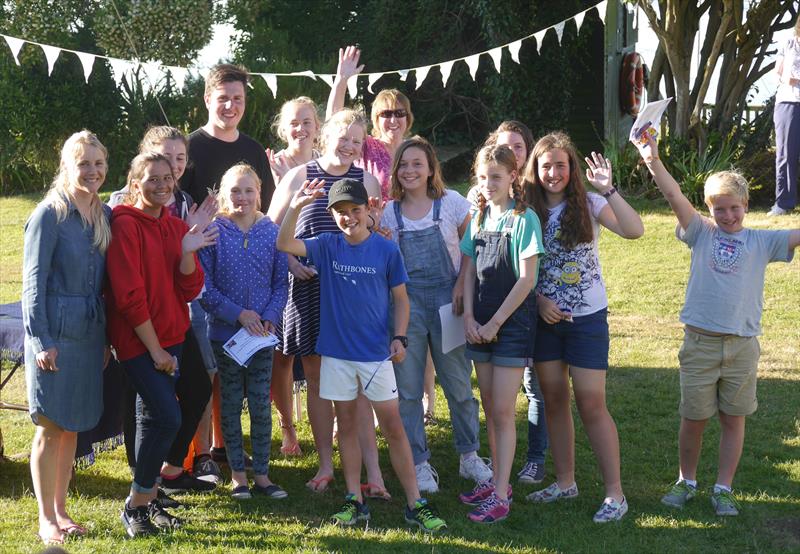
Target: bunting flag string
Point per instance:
(156, 71)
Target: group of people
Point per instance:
(348, 261)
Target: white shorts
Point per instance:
(341, 380)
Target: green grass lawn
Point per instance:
(646, 281)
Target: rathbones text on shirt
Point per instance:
(353, 268)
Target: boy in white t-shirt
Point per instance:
(722, 317)
(358, 271)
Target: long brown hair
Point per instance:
(502, 156)
(512, 126)
(576, 222)
(436, 186)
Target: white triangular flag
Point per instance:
(446, 68)
(87, 61)
(579, 20)
(118, 69)
(204, 71)
(539, 39)
(601, 11)
(513, 49)
(178, 75)
(16, 45)
(372, 78)
(497, 55)
(327, 78)
(559, 27)
(51, 53)
(352, 87)
(307, 73)
(403, 74)
(472, 62)
(272, 83)
(154, 73)
(421, 73)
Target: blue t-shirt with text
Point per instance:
(355, 285)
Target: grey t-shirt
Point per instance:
(725, 293)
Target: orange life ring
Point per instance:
(631, 83)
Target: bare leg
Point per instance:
(590, 396)
(731, 442)
(485, 373)
(690, 442)
(44, 469)
(281, 389)
(388, 412)
(505, 386)
(554, 381)
(66, 460)
(202, 437)
(349, 451)
(320, 414)
(367, 440)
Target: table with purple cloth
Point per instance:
(107, 435)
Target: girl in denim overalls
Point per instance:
(503, 246)
(428, 221)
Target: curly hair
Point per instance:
(576, 222)
(436, 186)
(502, 156)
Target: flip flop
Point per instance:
(371, 490)
(320, 484)
(51, 540)
(74, 530)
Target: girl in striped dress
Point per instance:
(343, 137)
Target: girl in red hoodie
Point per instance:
(153, 272)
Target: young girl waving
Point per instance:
(572, 336)
(152, 274)
(503, 246)
(428, 221)
(246, 286)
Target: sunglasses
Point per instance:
(399, 114)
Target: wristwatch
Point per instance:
(609, 192)
(403, 340)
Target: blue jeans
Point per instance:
(537, 424)
(233, 380)
(200, 327)
(787, 151)
(452, 369)
(158, 416)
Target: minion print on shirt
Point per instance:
(566, 276)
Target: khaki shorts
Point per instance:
(718, 374)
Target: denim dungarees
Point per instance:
(431, 278)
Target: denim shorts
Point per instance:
(514, 344)
(580, 343)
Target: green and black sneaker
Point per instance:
(351, 511)
(425, 516)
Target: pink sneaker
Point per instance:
(490, 510)
(481, 492)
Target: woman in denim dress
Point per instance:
(66, 238)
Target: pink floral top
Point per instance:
(376, 159)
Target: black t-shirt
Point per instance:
(210, 158)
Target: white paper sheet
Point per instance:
(452, 329)
(649, 118)
(241, 346)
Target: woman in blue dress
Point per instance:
(66, 238)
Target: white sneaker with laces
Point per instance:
(427, 478)
(474, 468)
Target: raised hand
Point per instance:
(307, 193)
(599, 172)
(199, 236)
(203, 214)
(647, 146)
(279, 164)
(348, 63)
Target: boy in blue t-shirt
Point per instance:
(722, 318)
(358, 270)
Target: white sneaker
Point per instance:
(777, 210)
(474, 468)
(427, 478)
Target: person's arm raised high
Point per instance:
(308, 192)
(347, 67)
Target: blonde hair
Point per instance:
(229, 178)
(136, 172)
(342, 119)
(282, 118)
(386, 100)
(726, 183)
(436, 186)
(503, 156)
(62, 193)
(156, 136)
